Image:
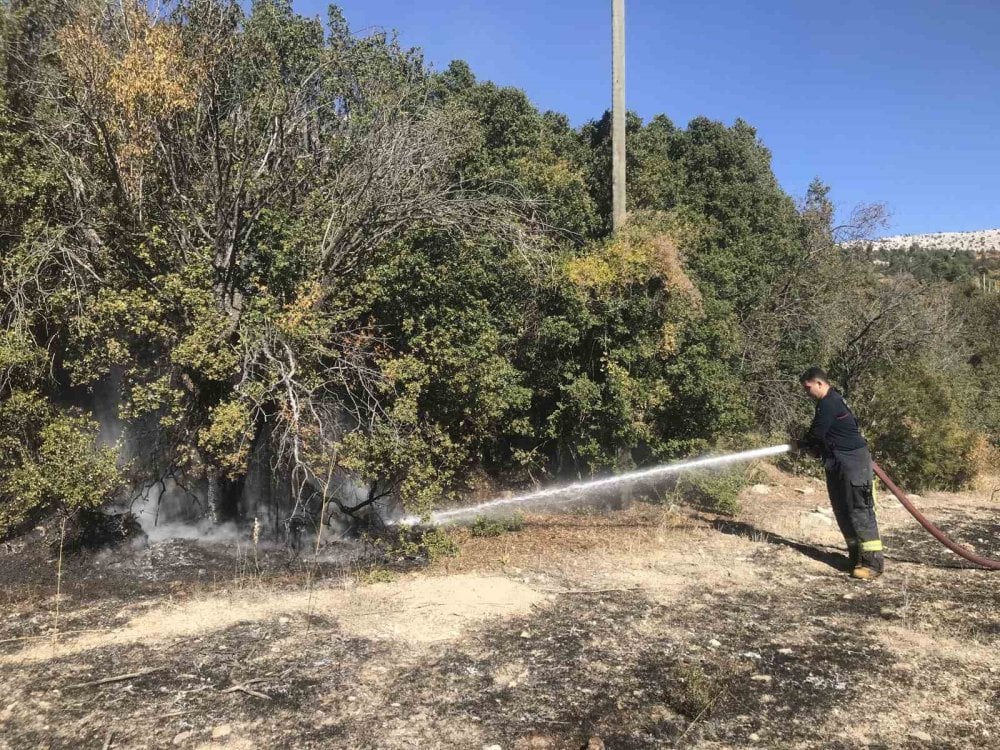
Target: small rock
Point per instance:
(751, 655)
(848, 596)
(889, 613)
(283, 621)
(595, 743)
(181, 737)
(785, 651)
(760, 489)
(714, 643)
(922, 736)
(525, 634)
(755, 737)
(223, 730)
(492, 747)
(761, 678)
(540, 741)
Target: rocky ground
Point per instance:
(979, 242)
(651, 627)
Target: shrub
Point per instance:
(437, 543)
(484, 526)
(717, 491)
(59, 465)
(917, 432)
(432, 544)
(376, 575)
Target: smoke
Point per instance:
(172, 503)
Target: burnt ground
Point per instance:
(646, 628)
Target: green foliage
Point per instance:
(485, 526)
(926, 264)
(376, 575)
(917, 430)
(539, 155)
(304, 237)
(628, 361)
(21, 360)
(433, 544)
(438, 544)
(717, 491)
(50, 460)
(981, 321)
(227, 437)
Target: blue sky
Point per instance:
(886, 101)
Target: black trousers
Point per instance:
(854, 508)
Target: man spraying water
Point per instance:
(836, 437)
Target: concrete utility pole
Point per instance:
(618, 174)
(618, 115)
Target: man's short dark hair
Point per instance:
(814, 373)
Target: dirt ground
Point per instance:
(646, 628)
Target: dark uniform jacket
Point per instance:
(836, 436)
(834, 427)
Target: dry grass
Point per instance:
(651, 627)
(547, 541)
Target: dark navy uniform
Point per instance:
(835, 435)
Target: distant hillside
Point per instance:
(985, 240)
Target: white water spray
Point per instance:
(585, 487)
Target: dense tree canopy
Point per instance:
(231, 236)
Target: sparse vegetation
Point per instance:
(717, 491)
(376, 574)
(644, 634)
(410, 544)
(496, 526)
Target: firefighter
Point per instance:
(836, 437)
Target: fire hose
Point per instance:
(934, 531)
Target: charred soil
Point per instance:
(649, 627)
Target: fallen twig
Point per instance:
(43, 637)
(591, 591)
(244, 687)
(701, 713)
(116, 678)
(107, 740)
